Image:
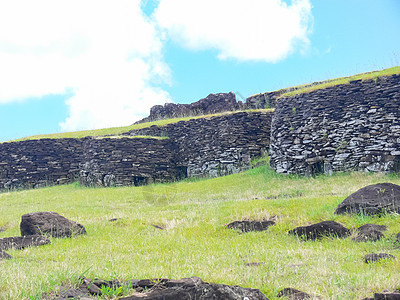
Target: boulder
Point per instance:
(374, 257)
(49, 223)
(370, 233)
(387, 296)
(372, 200)
(194, 288)
(21, 242)
(320, 230)
(4, 255)
(246, 226)
(293, 294)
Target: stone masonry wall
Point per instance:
(347, 127)
(127, 161)
(37, 163)
(218, 145)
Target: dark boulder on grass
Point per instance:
(386, 296)
(4, 255)
(246, 226)
(50, 224)
(195, 288)
(293, 294)
(375, 257)
(372, 200)
(370, 233)
(320, 230)
(21, 242)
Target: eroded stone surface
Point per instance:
(49, 223)
(372, 200)
(320, 230)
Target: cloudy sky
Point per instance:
(69, 65)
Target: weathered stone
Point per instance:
(320, 230)
(49, 223)
(4, 255)
(246, 225)
(370, 233)
(386, 296)
(371, 200)
(19, 242)
(213, 103)
(374, 257)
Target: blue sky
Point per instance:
(69, 66)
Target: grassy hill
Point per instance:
(195, 242)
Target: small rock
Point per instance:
(254, 264)
(246, 226)
(370, 233)
(49, 223)
(320, 230)
(4, 255)
(386, 296)
(21, 242)
(374, 257)
(293, 294)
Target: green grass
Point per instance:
(119, 130)
(307, 88)
(195, 243)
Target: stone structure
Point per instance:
(218, 145)
(213, 146)
(346, 127)
(213, 103)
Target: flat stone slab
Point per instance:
(372, 200)
(370, 233)
(21, 242)
(293, 294)
(320, 230)
(50, 224)
(374, 257)
(247, 226)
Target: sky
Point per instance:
(72, 65)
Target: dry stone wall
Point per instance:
(36, 163)
(218, 145)
(127, 161)
(347, 127)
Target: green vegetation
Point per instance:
(194, 241)
(343, 80)
(119, 130)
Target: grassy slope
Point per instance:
(195, 243)
(120, 130)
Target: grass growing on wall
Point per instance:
(194, 241)
(120, 130)
(344, 80)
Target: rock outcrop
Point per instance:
(21, 242)
(253, 225)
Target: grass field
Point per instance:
(194, 241)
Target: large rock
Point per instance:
(374, 257)
(195, 288)
(50, 224)
(21, 242)
(246, 225)
(372, 199)
(320, 230)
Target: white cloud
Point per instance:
(264, 30)
(106, 52)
